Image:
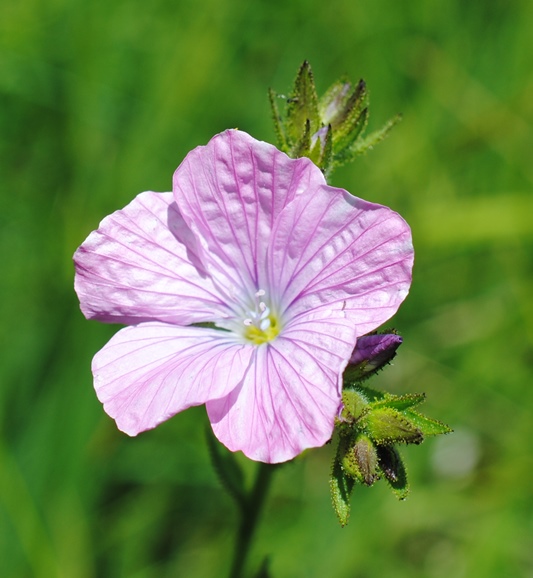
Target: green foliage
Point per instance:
(371, 423)
(101, 100)
(328, 130)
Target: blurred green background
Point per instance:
(101, 100)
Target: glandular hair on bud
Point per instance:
(367, 458)
(388, 426)
(371, 354)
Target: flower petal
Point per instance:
(291, 393)
(142, 264)
(230, 192)
(333, 248)
(149, 372)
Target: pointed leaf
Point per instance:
(355, 404)
(387, 426)
(317, 144)
(401, 402)
(369, 394)
(346, 136)
(341, 487)
(349, 118)
(393, 468)
(276, 116)
(302, 148)
(327, 152)
(374, 138)
(302, 105)
(428, 426)
(229, 471)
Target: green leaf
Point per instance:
(393, 469)
(343, 142)
(385, 425)
(341, 487)
(228, 470)
(401, 402)
(354, 105)
(355, 404)
(303, 147)
(302, 105)
(316, 151)
(428, 426)
(369, 394)
(276, 116)
(325, 161)
(373, 138)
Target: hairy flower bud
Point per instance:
(371, 354)
(360, 460)
(330, 130)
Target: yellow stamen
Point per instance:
(257, 336)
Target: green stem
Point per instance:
(250, 514)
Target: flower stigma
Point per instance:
(262, 325)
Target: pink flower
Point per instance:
(286, 270)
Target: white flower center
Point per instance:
(262, 324)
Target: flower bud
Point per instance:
(329, 130)
(393, 470)
(361, 460)
(371, 354)
(387, 426)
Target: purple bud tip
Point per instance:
(375, 350)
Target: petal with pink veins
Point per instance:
(143, 264)
(231, 192)
(149, 372)
(333, 248)
(290, 395)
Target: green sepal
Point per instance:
(355, 104)
(302, 148)
(227, 468)
(341, 487)
(428, 426)
(326, 160)
(302, 106)
(355, 404)
(345, 141)
(370, 395)
(343, 109)
(393, 469)
(389, 426)
(362, 146)
(401, 402)
(277, 118)
(353, 118)
(360, 461)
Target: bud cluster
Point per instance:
(329, 130)
(372, 423)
